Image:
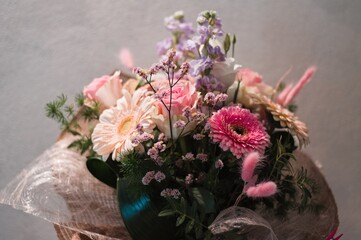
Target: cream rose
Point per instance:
(250, 83)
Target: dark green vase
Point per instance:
(140, 214)
(139, 211)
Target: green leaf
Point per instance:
(204, 198)
(189, 226)
(100, 170)
(199, 231)
(180, 220)
(166, 212)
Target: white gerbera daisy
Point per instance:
(117, 125)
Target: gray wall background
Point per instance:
(53, 47)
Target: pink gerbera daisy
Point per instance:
(238, 130)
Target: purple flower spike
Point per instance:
(200, 65)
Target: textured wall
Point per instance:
(49, 47)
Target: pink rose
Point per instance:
(249, 77)
(106, 89)
(184, 94)
(90, 90)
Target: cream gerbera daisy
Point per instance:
(118, 124)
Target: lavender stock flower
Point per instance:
(163, 46)
(200, 65)
(214, 50)
(209, 84)
(182, 31)
(176, 24)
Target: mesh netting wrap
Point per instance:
(58, 188)
(235, 221)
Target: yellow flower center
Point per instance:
(126, 125)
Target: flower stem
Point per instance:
(236, 93)
(170, 105)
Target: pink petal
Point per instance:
(126, 58)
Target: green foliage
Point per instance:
(190, 221)
(54, 110)
(131, 166)
(204, 198)
(307, 187)
(100, 170)
(83, 144)
(296, 187)
(69, 116)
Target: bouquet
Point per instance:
(197, 146)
